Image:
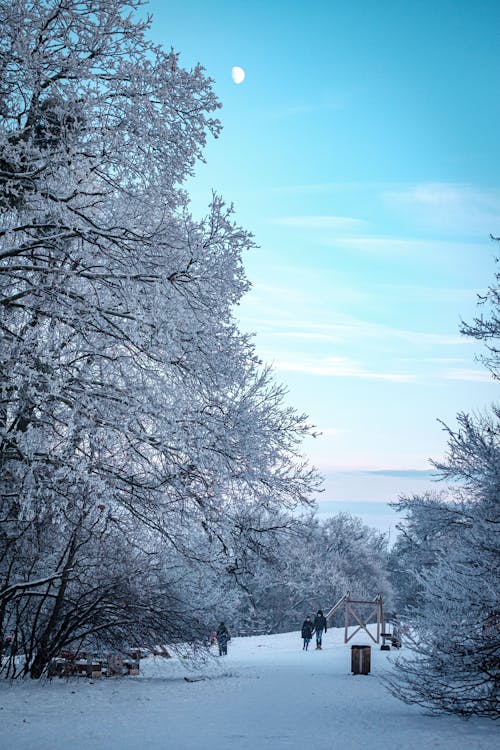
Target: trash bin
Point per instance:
(360, 659)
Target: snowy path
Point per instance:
(267, 693)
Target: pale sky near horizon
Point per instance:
(362, 152)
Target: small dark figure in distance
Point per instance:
(7, 645)
(222, 638)
(395, 637)
(319, 625)
(307, 632)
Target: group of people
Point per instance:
(310, 627)
(317, 627)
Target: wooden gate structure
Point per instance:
(376, 611)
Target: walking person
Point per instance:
(222, 638)
(307, 632)
(319, 625)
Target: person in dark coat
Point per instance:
(319, 625)
(307, 632)
(222, 638)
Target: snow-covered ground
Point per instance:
(266, 693)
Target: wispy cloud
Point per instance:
(338, 367)
(348, 329)
(336, 187)
(451, 207)
(424, 474)
(403, 247)
(479, 376)
(345, 233)
(302, 335)
(358, 484)
(403, 371)
(335, 223)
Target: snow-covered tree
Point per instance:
(455, 633)
(452, 549)
(127, 391)
(305, 567)
(422, 536)
(486, 327)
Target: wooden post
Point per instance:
(346, 620)
(335, 607)
(379, 615)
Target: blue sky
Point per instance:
(362, 152)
